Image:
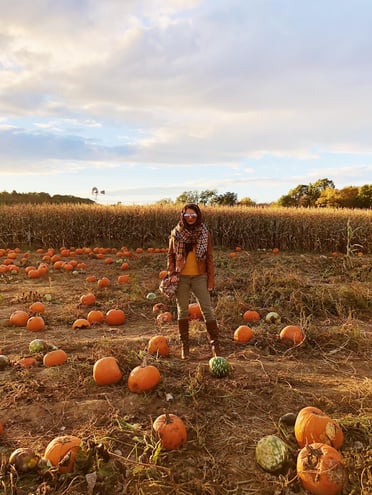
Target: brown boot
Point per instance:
(212, 329)
(183, 328)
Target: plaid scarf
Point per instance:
(198, 236)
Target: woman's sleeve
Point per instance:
(210, 264)
(171, 256)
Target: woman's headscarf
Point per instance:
(195, 234)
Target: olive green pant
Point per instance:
(197, 285)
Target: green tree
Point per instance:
(208, 197)
(246, 201)
(364, 199)
(188, 197)
(227, 199)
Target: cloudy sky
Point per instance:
(146, 99)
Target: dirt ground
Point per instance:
(225, 417)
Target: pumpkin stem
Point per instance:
(313, 456)
(168, 419)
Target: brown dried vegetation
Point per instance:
(329, 298)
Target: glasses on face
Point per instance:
(190, 215)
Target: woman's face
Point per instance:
(190, 216)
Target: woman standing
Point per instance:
(190, 255)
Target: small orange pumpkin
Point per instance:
(115, 317)
(95, 316)
(54, 358)
(195, 312)
(321, 469)
(159, 308)
(103, 282)
(61, 452)
(313, 425)
(143, 378)
(106, 371)
(292, 335)
(26, 362)
(19, 318)
(171, 431)
(251, 315)
(158, 344)
(37, 307)
(35, 323)
(80, 323)
(124, 279)
(243, 333)
(88, 299)
(164, 317)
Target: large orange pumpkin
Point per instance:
(171, 431)
(321, 469)
(143, 378)
(158, 344)
(292, 335)
(61, 452)
(54, 358)
(35, 324)
(106, 371)
(313, 425)
(19, 318)
(115, 317)
(243, 333)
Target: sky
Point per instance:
(147, 99)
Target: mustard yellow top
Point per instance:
(191, 265)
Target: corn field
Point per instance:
(299, 230)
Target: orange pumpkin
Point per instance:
(103, 282)
(313, 425)
(292, 335)
(80, 323)
(95, 316)
(106, 371)
(195, 312)
(158, 344)
(243, 333)
(171, 431)
(143, 378)
(26, 362)
(162, 274)
(124, 279)
(321, 469)
(251, 315)
(19, 318)
(54, 358)
(35, 324)
(88, 299)
(164, 317)
(159, 308)
(37, 307)
(115, 317)
(91, 278)
(61, 452)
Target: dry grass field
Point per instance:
(329, 296)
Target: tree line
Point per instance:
(321, 193)
(14, 198)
